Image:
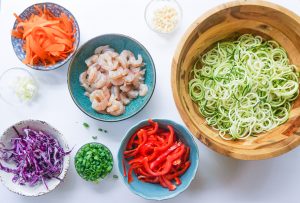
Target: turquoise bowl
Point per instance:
(155, 191)
(56, 10)
(119, 43)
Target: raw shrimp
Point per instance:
(117, 82)
(92, 60)
(103, 49)
(115, 74)
(132, 94)
(100, 82)
(138, 79)
(136, 62)
(84, 83)
(100, 99)
(115, 91)
(126, 87)
(116, 107)
(92, 74)
(143, 90)
(107, 61)
(124, 98)
(112, 80)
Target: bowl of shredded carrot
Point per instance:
(45, 36)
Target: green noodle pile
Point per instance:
(244, 87)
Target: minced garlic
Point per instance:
(165, 19)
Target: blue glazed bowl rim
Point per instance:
(61, 63)
(116, 118)
(175, 125)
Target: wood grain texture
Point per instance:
(224, 22)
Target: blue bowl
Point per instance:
(56, 10)
(77, 66)
(156, 191)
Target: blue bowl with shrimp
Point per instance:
(119, 43)
(155, 191)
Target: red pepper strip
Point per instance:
(170, 139)
(133, 152)
(142, 172)
(147, 149)
(136, 160)
(157, 150)
(177, 162)
(168, 164)
(186, 155)
(154, 155)
(177, 181)
(130, 142)
(133, 166)
(162, 182)
(130, 178)
(155, 127)
(124, 167)
(169, 184)
(164, 155)
(179, 172)
(138, 142)
(148, 180)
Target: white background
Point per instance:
(219, 179)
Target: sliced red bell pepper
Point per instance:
(179, 172)
(155, 155)
(168, 183)
(164, 155)
(177, 181)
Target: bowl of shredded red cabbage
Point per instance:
(34, 158)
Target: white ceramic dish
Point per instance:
(8, 80)
(39, 189)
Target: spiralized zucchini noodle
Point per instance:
(244, 87)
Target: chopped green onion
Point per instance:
(25, 88)
(86, 125)
(115, 176)
(93, 162)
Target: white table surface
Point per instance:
(219, 178)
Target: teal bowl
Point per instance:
(119, 43)
(156, 191)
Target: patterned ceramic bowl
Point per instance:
(119, 43)
(56, 10)
(38, 189)
(156, 191)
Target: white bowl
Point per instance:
(8, 80)
(40, 188)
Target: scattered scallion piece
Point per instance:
(93, 162)
(94, 137)
(115, 176)
(86, 125)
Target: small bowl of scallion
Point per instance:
(93, 162)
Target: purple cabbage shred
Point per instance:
(38, 157)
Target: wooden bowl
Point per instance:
(224, 22)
